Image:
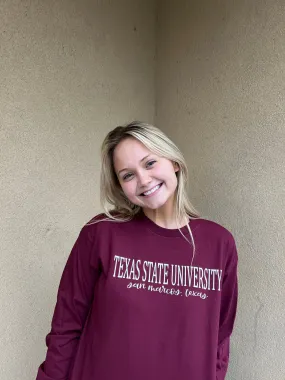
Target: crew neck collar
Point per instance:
(167, 232)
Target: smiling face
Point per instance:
(148, 180)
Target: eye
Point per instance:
(150, 163)
(127, 176)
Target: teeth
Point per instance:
(152, 190)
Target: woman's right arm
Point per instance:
(74, 299)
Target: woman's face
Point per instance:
(147, 179)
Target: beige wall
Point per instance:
(70, 71)
(221, 97)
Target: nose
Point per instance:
(143, 178)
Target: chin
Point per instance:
(155, 205)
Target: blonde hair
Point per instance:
(111, 192)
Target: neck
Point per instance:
(165, 216)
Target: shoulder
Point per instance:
(215, 236)
(96, 219)
(212, 230)
(102, 224)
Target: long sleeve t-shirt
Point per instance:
(130, 306)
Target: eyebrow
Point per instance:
(140, 161)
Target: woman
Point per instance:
(149, 290)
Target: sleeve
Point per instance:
(74, 299)
(227, 311)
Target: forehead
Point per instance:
(128, 152)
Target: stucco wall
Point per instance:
(70, 71)
(220, 96)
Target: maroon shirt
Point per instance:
(131, 307)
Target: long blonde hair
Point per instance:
(111, 192)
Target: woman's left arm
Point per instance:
(227, 310)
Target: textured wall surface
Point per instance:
(70, 71)
(221, 97)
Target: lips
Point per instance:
(152, 190)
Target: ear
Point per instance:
(176, 166)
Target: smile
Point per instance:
(152, 191)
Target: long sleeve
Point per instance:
(74, 299)
(227, 311)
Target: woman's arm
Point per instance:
(227, 311)
(74, 299)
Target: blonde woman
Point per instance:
(149, 290)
